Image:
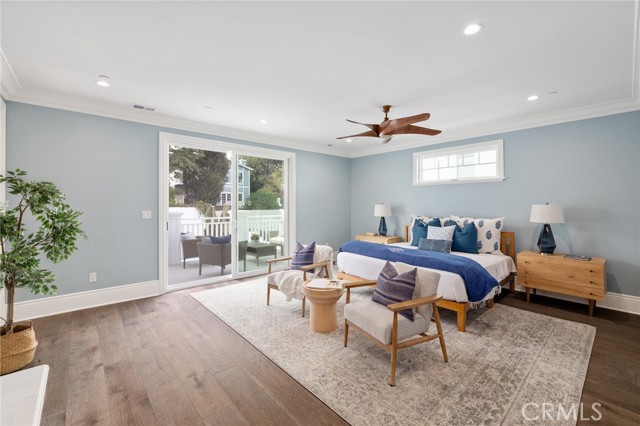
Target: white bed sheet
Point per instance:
(451, 285)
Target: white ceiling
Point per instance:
(307, 66)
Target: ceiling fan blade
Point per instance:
(373, 127)
(370, 133)
(386, 140)
(397, 123)
(416, 130)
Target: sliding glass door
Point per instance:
(261, 219)
(225, 208)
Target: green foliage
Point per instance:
(202, 173)
(266, 174)
(205, 209)
(262, 200)
(55, 238)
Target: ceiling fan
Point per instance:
(397, 126)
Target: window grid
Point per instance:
(461, 164)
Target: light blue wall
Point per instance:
(590, 167)
(109, 170)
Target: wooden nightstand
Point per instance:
(379, 239)
(554, 273)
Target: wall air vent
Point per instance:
(143, 107)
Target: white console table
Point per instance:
(22, 396)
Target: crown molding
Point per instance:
(495, 128)
(9, 83)
(88, 106)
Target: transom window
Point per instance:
(479, 162)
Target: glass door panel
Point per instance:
(199, 215)
(261, 214)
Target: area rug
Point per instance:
(500, 372)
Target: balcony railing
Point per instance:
(265, 223)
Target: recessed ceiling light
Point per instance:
(207, 107)
(103, 81)
(263, 121)
(472, 29)
(348, 140)
(533, 98)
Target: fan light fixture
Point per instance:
(472, 29)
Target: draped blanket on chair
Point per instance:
(290, 281)
(478, 282)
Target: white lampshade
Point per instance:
(546, 213)
(382, 210)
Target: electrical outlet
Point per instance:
(93, 277)
(146, 214)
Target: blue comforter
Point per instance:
(477, 280)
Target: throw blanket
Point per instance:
(290, 281)
(478, 282)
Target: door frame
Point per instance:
(165, 140)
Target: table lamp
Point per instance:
(546, 214)
(381, 210)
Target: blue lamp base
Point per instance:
(382, 229)
(546, 242)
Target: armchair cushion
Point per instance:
(377, 320)
(393, 288)
(220, 240)
(303, 255)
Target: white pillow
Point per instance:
(444, 233)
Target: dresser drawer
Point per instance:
(589, 277)
(573, 289)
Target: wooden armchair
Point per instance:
(321, 267)
(392, 332)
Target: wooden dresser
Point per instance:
(379, 239)
(556, 274)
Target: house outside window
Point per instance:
(479, 162)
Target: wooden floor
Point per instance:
(167, 360)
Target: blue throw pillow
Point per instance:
(221, 240)
(465, 239)
(420, 228)
(443, 246)
(303, 255)
(393, 288)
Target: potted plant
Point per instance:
(56, 228)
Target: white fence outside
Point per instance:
(265, 223)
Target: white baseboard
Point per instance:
(615, 301)
(31, 309)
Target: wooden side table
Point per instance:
(379, 239)
(324, 317)
(556, 274)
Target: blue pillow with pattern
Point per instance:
(420, 229)
(303, 255)
(443, 246)
(465, 239)
(393, 288)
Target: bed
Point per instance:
(501, 266)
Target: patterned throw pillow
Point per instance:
(420, 229)
(443, 233)
(489, 232)
(465, 239)
(393, 288)
(443, 246)
(303, 255)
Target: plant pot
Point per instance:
(17, 349)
